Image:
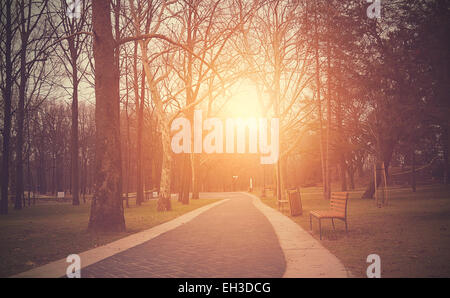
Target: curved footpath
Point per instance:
(236, 237)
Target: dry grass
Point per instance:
(411, 235)
(43, 233)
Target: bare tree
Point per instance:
(32, 18)
(7, 92)
(107, 208)
(279, 53)
(70, 54)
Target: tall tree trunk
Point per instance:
(54, 187)
(327, 155)
(180, 185)
(319, 105)
(21, 114)
(139, 161)
(276, 104)
(42, 173)
(74, 140)
(343, 172)
(413, 169)
(106, 208)
(186, 179)
(188, 167)
(164, 203)
(284, 172)
(84, 170)
(446, 146)
(384, 156)
(128, 166)
(351, 175)
(341, 142)
(195, 176)
(7, 96)
(29, 177)
(150, 156)
(164, 190)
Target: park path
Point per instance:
(232, 239)
(236, 237)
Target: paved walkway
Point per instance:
(237, 237)
(232, 239)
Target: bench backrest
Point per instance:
(338, 202)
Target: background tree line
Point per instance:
(88, 98)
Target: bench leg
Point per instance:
(310, 222)
(332, 221)
(346, 229)
(320, 229)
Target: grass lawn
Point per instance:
(43, 233)
(411, 235)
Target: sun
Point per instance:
(244, 102)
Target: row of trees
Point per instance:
(350, 92)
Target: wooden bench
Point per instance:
(148, 194)
(338, 210)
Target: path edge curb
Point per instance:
(305, 256)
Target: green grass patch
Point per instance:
(43, 233)
(411, 235)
